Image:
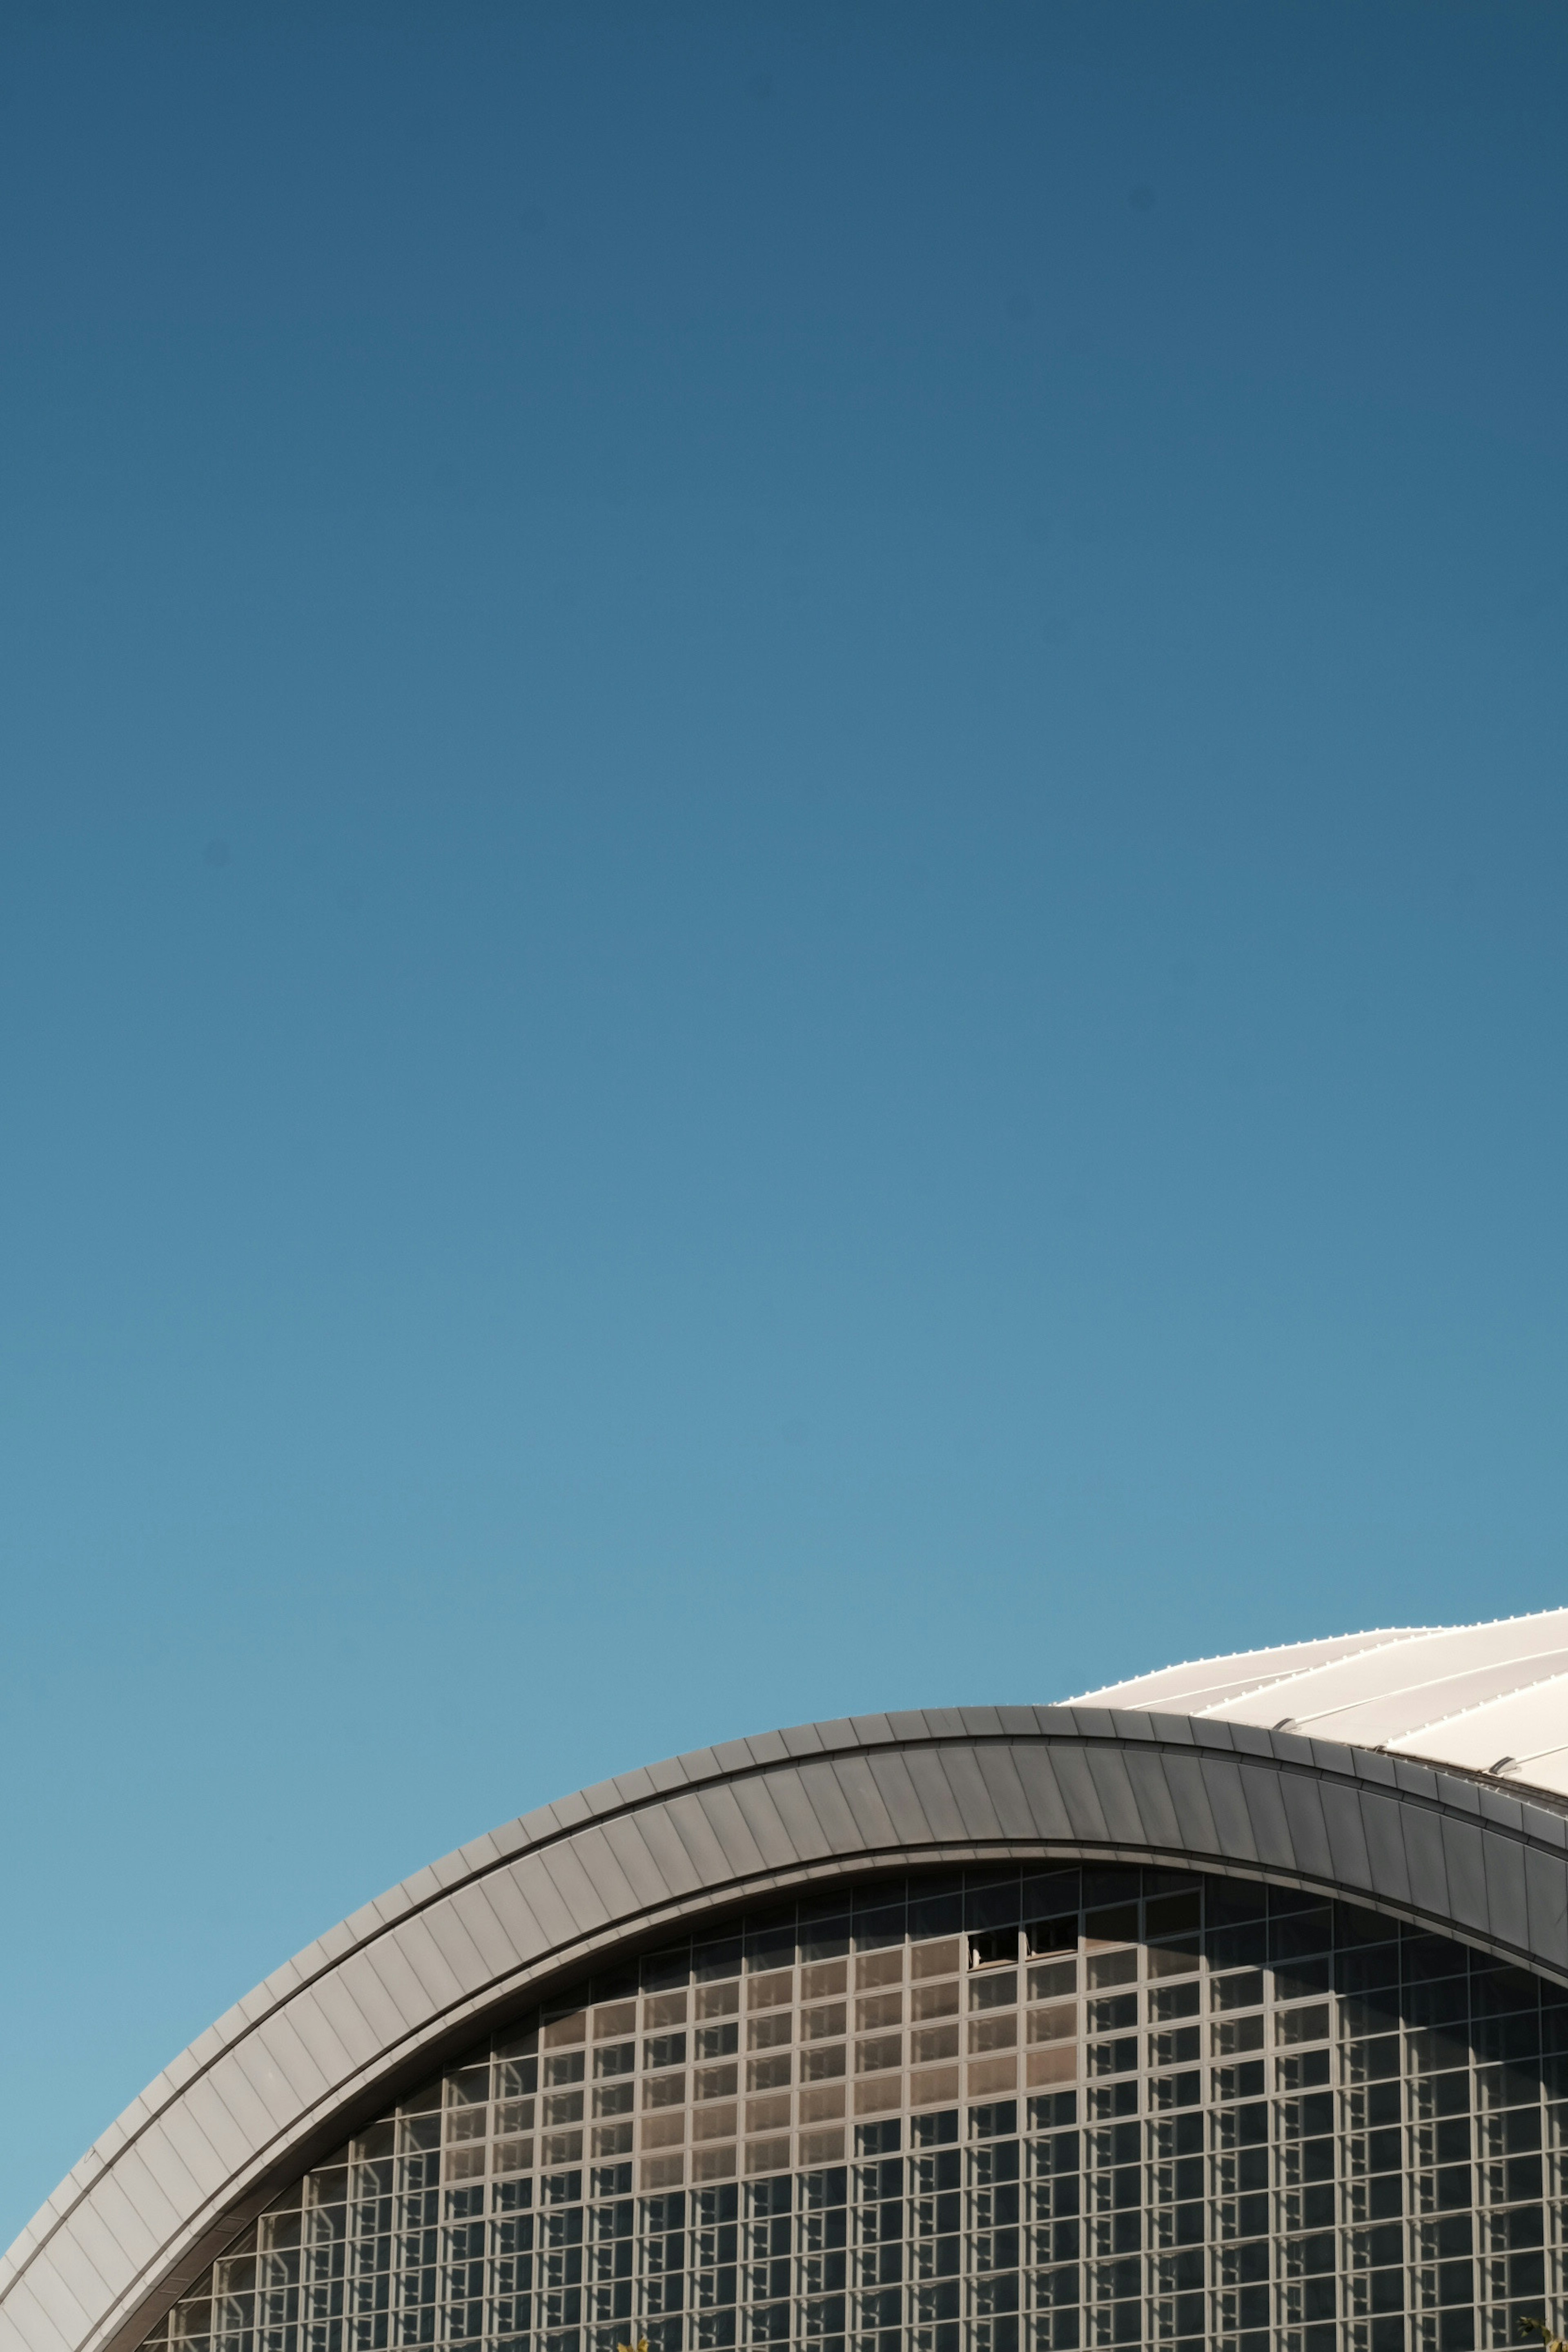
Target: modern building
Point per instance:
(1224, 2007)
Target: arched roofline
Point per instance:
(329, 2039)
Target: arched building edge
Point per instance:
(101, 2262)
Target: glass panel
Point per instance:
(1033, 2113)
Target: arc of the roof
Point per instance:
(413, 1975)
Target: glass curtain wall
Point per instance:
(1042, 2109)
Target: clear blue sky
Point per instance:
(783, 869)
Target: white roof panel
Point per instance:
(1489, 1698)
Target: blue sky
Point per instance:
(782, 883)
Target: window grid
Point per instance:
(1037, 2111)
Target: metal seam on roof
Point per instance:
(1249, 1693)
(1381, 1639)
(1495, 1666)
(1478, 1706)
(1302, 1674)
(1234, 1657)
(1406, 1690)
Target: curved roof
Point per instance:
(406, 1983)
(1490, 1698)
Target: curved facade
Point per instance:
(1059, 2027)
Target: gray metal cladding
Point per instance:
(406, 1980)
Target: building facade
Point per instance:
(1227, 2009)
